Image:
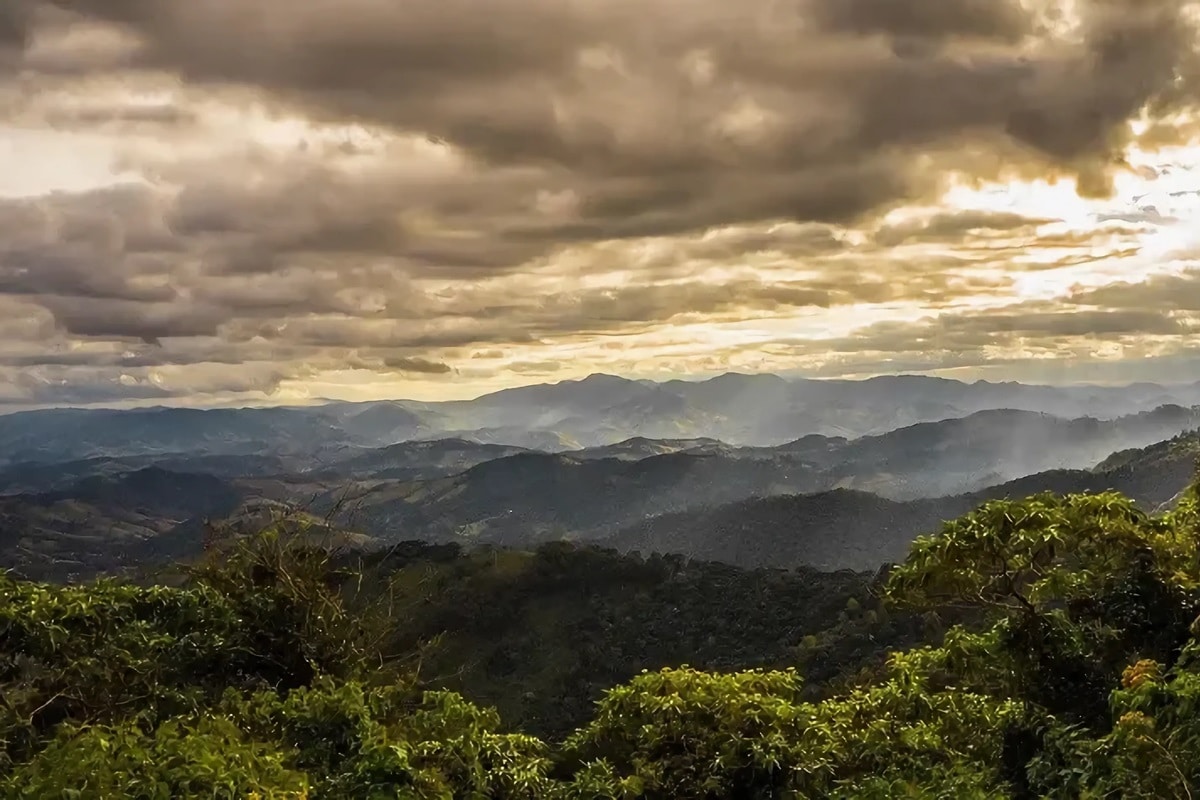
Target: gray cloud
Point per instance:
(120, 118)
(1161, 293)
(16, 23)
(1004, 21)
(1042, 327)
(645, 110)
(416, 365)
(149, 322)
(82, 385)
(610, 167)
(137, 262)
(956, 226)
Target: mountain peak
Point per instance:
(760, 377)
(600, 378)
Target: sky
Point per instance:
(270, 201)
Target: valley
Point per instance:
(88, 492)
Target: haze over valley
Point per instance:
(755, 470)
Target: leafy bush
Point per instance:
(683, 733)
(208, 758)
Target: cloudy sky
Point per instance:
(206, 201)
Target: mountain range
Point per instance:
(754, 470)
(830, 502)
(602, 410)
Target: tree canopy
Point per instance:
(274, 672)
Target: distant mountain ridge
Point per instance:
(634, 463)
(602, 410)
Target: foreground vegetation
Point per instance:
(542, 635)
(278, 672)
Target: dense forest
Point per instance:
(1045, 647)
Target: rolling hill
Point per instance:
(106, 523)
(856, 530)
(532, 497)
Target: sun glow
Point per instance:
(1157, 198)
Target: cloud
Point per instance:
(120, 118)
(534, 367)
(1157, 293)
(677, 114)
(1028, 327)
(80, 385)
(417, 365)
(145, 263)
(153, 274)
(16, 25)
(150, 322)
(391, 187)
(955, 226)
(1003, 21)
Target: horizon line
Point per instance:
(235, 405)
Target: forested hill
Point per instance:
(1043, 647)
(541, 634)
(858, 530)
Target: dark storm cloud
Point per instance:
(600, 96)
(1002, 20)
(14, 25)
(150, 322)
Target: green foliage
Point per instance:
(266, 616)
(1015, 555)
(361, 742)
(689, 734)
(1078, 586)
(542, 635)
(683, 733)
(208, 758)
(1064, 661)
(99, 653)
